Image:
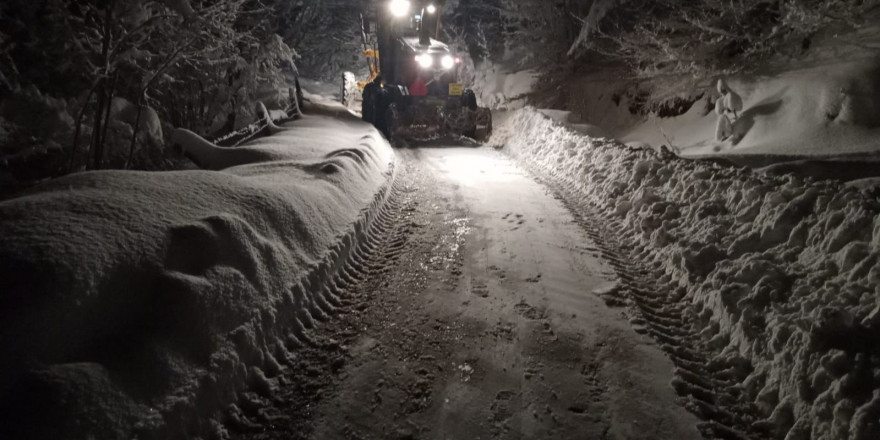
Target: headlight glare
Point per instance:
(400, 8)
(425, 61)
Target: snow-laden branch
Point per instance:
(266, 118)
(182, 7)
(598, 11)
(704, 37)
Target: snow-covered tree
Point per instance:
(525, 32)
(705, 37)
(326, 34)
(195, 62)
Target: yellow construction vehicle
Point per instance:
(417, 90)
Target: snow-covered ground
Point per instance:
(822, 103)
(819, 104)
(138, 303)
(823, 110)
(321, 91)
(778, 275)
(497, 87)
(485, 327)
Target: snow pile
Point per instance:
(825, 110)
(146, 119)
(137, 304)
(497, 87)
(574, 122)
(780, 275)
(321, 91)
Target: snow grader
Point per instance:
(414, 89)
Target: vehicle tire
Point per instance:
(469, 99)
(483, 125)
(395, 95)
(458, 122)
(368, 103)
(392, 121)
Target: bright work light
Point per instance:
(400, 8)
(431, 9)
(425, 61)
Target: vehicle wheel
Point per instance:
(458, 123)
(343, 91)
(395, 95)
(483, 125)
(392, 121)
(368, 100)
(469, 99)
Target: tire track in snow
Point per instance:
(286, 413)
(707, 390)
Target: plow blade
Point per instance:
(439, 119)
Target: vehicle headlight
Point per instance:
(447, 62)
(425, 61)
(400, 8)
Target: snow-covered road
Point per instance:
(486, 321)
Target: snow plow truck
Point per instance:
(414, 89)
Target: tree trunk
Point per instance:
(134, 132)
(94, 146)
(79, 122)
(111, 92)
(104, 94)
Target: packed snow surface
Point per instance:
(136, 303)
(780, 275)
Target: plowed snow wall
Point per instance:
(139, 305)
(781, 274)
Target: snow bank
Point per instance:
(324, 98)
(779, 276)
(574, 122)
(820, 110)
(137, 304)
(321, 91)
(147, 120)
(499, 88)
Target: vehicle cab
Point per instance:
(412, 55)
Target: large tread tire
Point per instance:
(395, 95)
(483, 125)
(368, 101)
(459, 122)
(392, 121)
(469, 99)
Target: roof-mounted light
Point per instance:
(431, 9)
(400, 8)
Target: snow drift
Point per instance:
(140, 304)
(497, 87)
(779, 275)
(816, 111)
